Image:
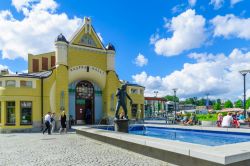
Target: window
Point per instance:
(133, 91)
(134, 110)
(35, 64)
(0, 112)
(26, 112)
(88, 40)
(10, 107)
(141, 92)
(10, 83)
(44, 63)
(53, 60)
(27, 84)
(1, 84)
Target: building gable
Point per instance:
(86, 36)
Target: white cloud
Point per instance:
(179, 8)
(233, 2)
(46, 5)
(192, 2)
(100, 36)
(36, 32)
(188, 33)
(216, 74)
(20, 4)
(231, 26)
(217, 3)
(154, 38)
(140, 60)
(4, 67)
(6, 15)
(24, 71)
(36, 5)
(150, 82)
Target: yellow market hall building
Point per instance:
(78, 77)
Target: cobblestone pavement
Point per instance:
(25, 149)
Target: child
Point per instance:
(219, 120)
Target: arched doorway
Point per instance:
(84, 103)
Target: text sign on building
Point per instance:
(90, 73)
(87, 69)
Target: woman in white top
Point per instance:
(227, 120)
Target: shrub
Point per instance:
(207, 117)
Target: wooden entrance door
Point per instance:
(84, 105)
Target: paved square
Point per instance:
(24, 149)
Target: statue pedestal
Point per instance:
(121, 125)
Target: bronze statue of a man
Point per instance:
(121, 94)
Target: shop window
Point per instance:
(134, 91)
(53, 61)
(26, 112)
(35, 64)
(10, 83)
(27, 84)
(11, 117)
(44, 63)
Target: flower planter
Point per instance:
(208, 123)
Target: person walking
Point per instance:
(53, 122)
(63, 123)
(47, 120)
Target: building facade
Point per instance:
(79, 78)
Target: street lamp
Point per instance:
(175, 90)
(155, 93)
(244, 73)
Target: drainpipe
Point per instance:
(42, 103)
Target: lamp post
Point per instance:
(175, 90)
(244, 73)
(195, 102)
(156, 92)
(207, 102)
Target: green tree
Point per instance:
(217, 106)
(201, 102)
(218, 101)
(228, 104)
(238, 104)
(248, 103)
(171, 98)
(211, 102)
(190, 101)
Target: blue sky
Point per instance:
(199, 45)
